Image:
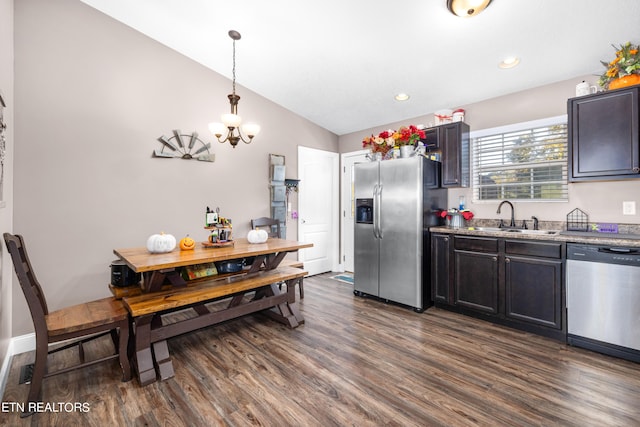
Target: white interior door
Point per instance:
(349, 160)
(318, 206)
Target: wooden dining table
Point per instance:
(165, 291)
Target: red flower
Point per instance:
(408, 135)
(467, 215)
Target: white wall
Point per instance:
(601, 200)
(92, 97)
(6, 211)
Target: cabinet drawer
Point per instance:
(481, 244)
(534, 248)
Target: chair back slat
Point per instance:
(28, 281)
(272, 224)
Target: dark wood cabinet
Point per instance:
(454, 144)
(604, 137)
(516, 282)
(533, 291)
(431, 140)
(476, 274)
(441, 286)
(534, 273)
(451, 140)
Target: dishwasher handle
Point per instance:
(614, 250)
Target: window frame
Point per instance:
(511, 128)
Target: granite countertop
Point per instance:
(594, 238)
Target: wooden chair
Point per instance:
(263, 222)
(274, 231)
(87, 321)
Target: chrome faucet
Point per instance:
(513, 220)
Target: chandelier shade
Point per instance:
(467, 8)
(231, 120)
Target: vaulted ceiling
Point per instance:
(339, 63)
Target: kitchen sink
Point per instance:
(515, 230)
(548, 232)
(490, 229)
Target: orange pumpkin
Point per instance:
(187, 243)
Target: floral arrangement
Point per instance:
(626, 62)
(381, 143)
(386, 140)
(467, 215)
(408, 135)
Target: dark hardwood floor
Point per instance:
(355, 362)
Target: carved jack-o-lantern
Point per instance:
(187, 243)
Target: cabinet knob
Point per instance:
(446, 239)
(495, 258)
(507, 260)
(636, 170)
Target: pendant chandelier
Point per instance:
(231, 122)
(467, 8)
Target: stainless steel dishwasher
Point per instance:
(603, 299)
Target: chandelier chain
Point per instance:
(234, 67)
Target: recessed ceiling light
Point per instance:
(402, 97)
(509, 62)
(467, 8)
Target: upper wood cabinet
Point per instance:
(452, 141)
(604, 141)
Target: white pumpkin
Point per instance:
(161, 243)
(257, 236)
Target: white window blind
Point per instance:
(522, 162)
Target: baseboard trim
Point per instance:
(24, 343)
(17, 345)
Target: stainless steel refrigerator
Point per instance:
(396, 203)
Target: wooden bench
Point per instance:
(296, 264)
(147, 310)
(291, 263)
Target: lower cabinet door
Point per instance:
(441, 290)
(476, 281)
(533, 291)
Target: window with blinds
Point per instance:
(522, 162)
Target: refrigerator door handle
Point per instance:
(378, 217)
(375, 211)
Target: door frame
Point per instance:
(333, 210)
(346, 189)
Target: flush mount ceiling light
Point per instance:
(467, 8)
(231, 122)
(509, 62)
(401, 97)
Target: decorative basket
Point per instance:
(577, 220)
